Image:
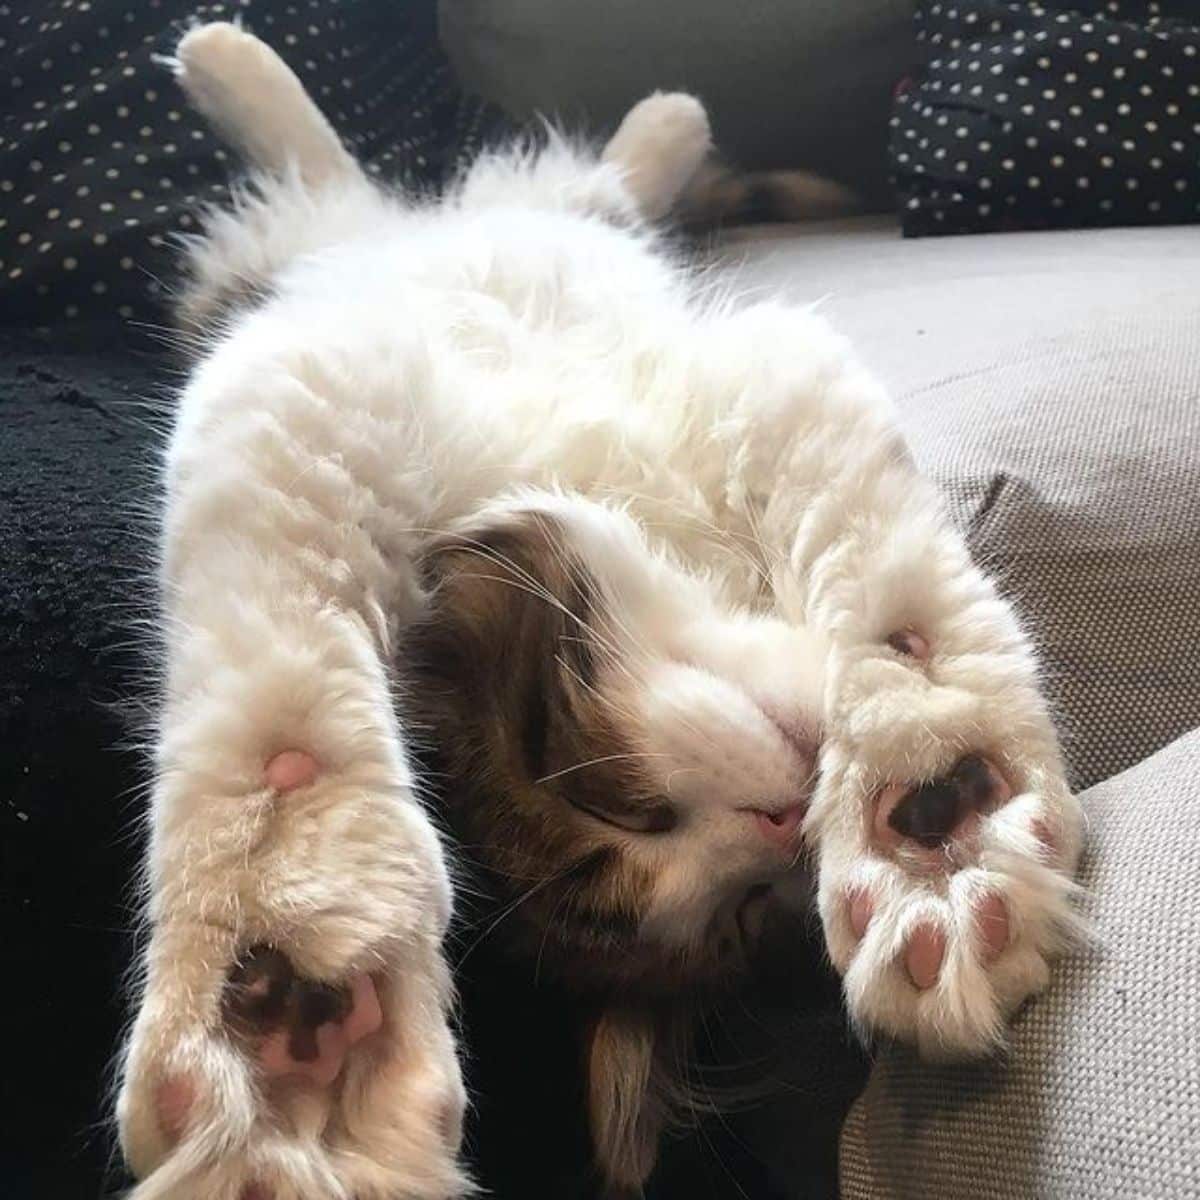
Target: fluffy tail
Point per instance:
(253, 99)
(718, 195)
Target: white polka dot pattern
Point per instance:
(1049, 115)
(101, 162)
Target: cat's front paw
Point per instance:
(293, 1040)
(947, 837)
(298, 1088)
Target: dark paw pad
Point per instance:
(301, 1026)
(932, 812)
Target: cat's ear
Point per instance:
(514, 581)
(626, 1102)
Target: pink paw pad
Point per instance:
(290, 769)
(991, 922)
(861, 907)
(909, 643)
(302, 1028)
(923, 957)
(1041, 830)
(927, 945)
(173, 1099)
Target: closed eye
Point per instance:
(651, 817)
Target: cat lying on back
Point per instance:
(670, 604)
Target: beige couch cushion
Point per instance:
(1051, 384)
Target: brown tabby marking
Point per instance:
(507, 672)
(509, 669)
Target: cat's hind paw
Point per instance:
(252, 97)
(659, 147)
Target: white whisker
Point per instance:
(592, 762)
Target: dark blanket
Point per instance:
(74, 455)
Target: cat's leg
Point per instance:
(253, 98)
(945, 830)
(305, 191)
(292, 1040)
(658, 148)
(640, 174)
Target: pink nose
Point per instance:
(780, 827)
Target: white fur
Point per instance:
(752, 512)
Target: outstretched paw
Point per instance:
(299, 1089)
(944, 899)
(293, 1039)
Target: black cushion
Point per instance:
(102, 161)
(1049, 115)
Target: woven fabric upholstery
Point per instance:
(1100, 1096)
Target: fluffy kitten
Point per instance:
(657, 529)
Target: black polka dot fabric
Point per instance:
(101, 160)
(1043, 115)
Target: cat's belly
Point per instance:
(499, 351)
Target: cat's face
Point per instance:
(626, 759)
(629, 764)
